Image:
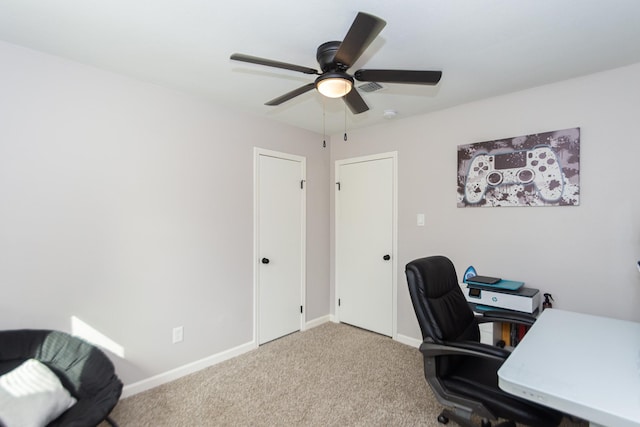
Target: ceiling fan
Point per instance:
(336, 57)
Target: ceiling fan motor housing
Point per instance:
(325, 55)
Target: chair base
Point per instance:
(464, 420)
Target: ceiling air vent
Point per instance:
(370, 87)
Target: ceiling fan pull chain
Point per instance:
(345, 122)
(324, 125)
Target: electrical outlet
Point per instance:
(178, 334)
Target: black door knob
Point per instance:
(386, 257)
(265, 260)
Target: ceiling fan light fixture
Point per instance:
(334, 84)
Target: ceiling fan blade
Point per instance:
(364, 29)
(271, 63)
(289, 95)
(399, 76)
(355, 102)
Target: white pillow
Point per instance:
(32, 396)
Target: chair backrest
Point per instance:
(440, 305)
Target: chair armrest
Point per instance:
(463, 348)
(506, 316)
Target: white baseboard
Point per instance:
(317, 321)
(413, 342)
(174, 374)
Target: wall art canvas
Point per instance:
(533, 170)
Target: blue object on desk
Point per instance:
(509, 285)
(470, 272)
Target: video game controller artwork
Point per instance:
(533, 170)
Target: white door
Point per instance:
(365, 258)
(280, 244)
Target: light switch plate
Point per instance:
(420, 219)
(178, 334)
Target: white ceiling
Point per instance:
(484, 47)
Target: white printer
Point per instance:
(527, 300)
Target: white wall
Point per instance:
(585, 255)
(130, 206)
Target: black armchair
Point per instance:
(462, 371)
(83, 369)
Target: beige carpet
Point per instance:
(331, 375)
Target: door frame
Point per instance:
(257, 152)
(393, 155)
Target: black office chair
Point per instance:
(462, 371)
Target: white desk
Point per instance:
(583, 365)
